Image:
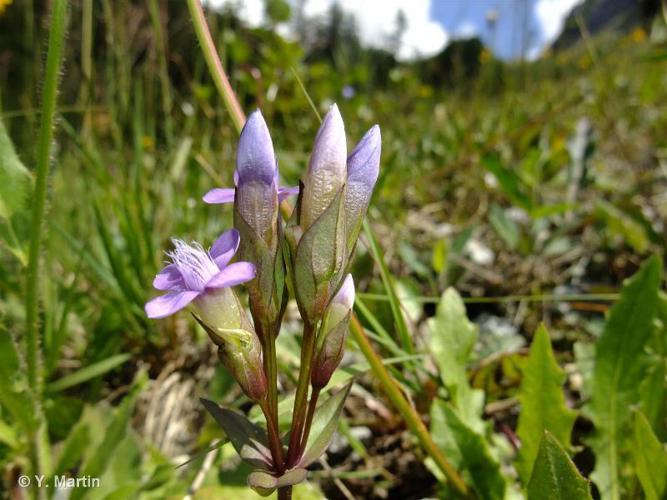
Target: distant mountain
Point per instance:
(606, 15)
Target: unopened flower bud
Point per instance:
(326, 169)
(331, 337)
(257, 188)
(222, 316)
(363, 166)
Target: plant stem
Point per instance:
(39, 439)
(56, 37)
(298, 414)
(312, 406)
(274, 438)
(285, 493)
(214, 65)
(410, 415)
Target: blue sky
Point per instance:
(520, 25)
(431, 24)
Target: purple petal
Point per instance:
(345, 295)
(285, 192)
(168, 304)
(233, 274)
(255, 159)
(225, 247)
(327, 168)
(219, 195)
(169, 278)
(363, 164)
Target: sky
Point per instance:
(517, 27)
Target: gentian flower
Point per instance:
(363, 166)
(255, 162)
(326, 169)
(194, 273)
(336, 192)
(205, 280)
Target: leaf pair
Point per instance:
(251, 443)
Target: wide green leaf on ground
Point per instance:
(618, 372)
(554, 476)
(468, 451)
(15, 179)
(650, 459)
(452, 339)
(542, 403)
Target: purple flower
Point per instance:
(326, 168)
(255, 165)
(363, 166)
(194, 273)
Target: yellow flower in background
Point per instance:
(3, 5)
(638, 35)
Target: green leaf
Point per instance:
(468, 451)
(452, 341)
(619, 223)
(15, 394)
(554, 475)
(87, 373)
(510, 183)
(506, 228)
(15, 179)
(650, 459)
(390, 287)
(249, 440)
(542, 403)
(8, 435)
(324, 425)
(114, 434)
(620, 362)
(74, 447)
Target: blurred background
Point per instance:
(524, 163)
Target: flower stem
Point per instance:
(274, 438)
(410, 415)
(312, 406)
(214, 65)
(298, 414)
(39, 439)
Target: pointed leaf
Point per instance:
(15, 394)
(542, 403)
(249, 440)
(15, 179)
(650, 459)
(89, 372)
(262, 482)
(620, 363)
(292, 477)
(324, 426)
(453, 338)
(468, 452)
(554, 475)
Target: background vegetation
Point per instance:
(532, 189)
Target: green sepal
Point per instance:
(320, 259)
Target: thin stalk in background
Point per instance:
(53, 62)
(161, 49)
(388, 384)
(214, 65)
(410, 415)
(39, 441)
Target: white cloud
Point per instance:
(376, 21)
(551, 16)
